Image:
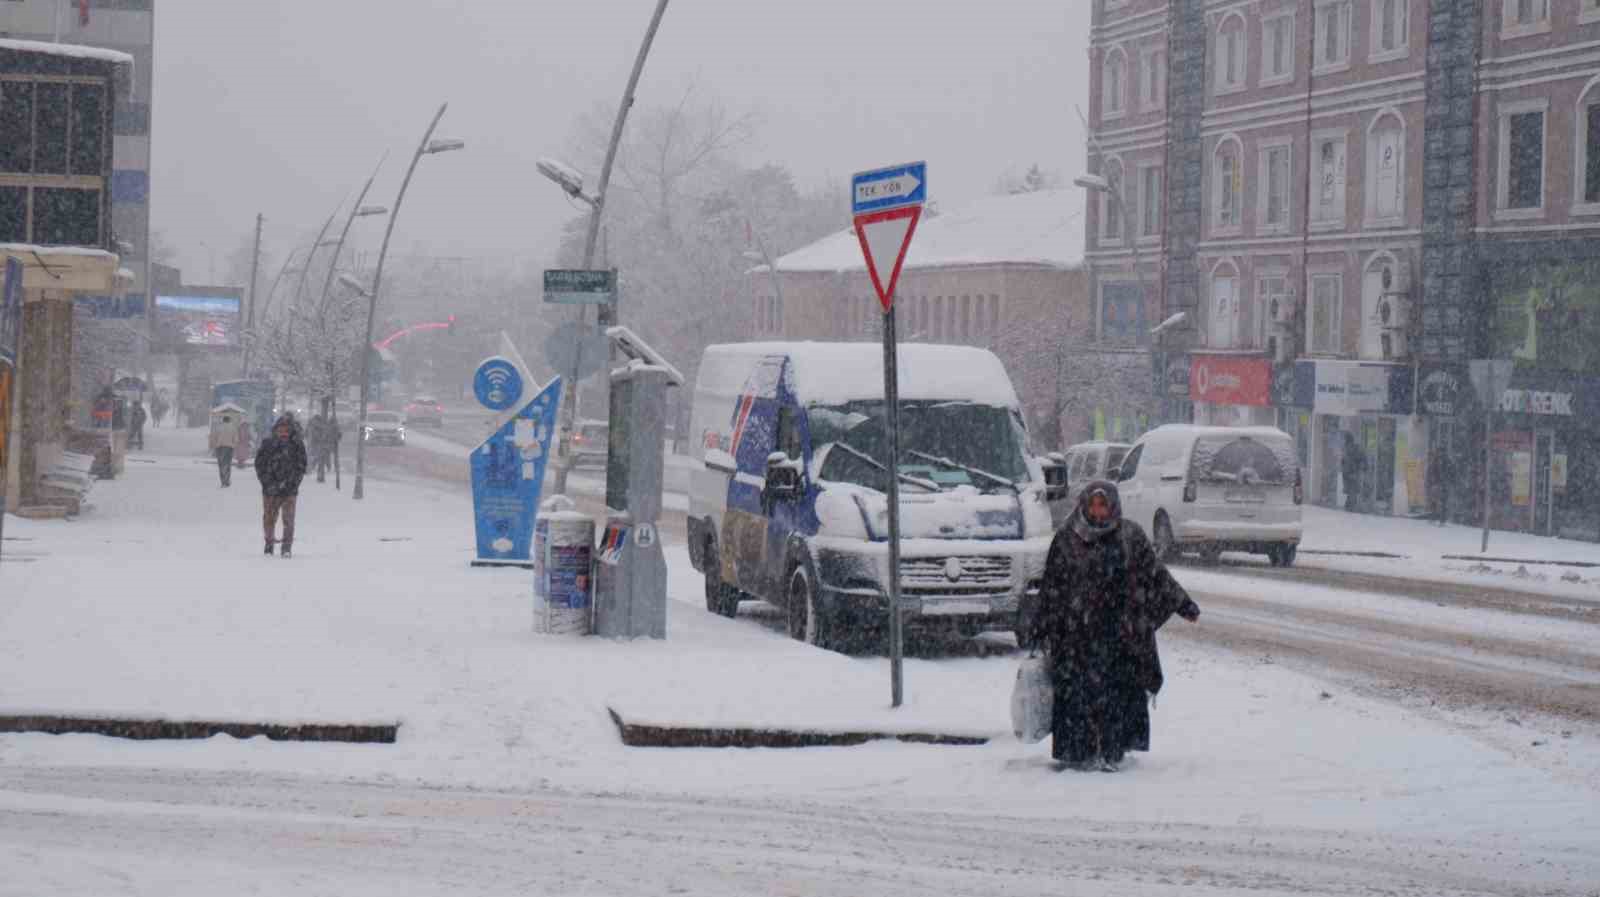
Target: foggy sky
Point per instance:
(284, 107)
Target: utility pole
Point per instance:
(250, 316)
(569, 385)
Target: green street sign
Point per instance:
(565, 286)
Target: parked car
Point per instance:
(424, 411)
(790, 502)
(591, 444)
(385, 428)
(1215, 489)
(1089, 461)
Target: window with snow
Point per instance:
(1150, 198)
(1267, 287)
(1153, 79)
(1277, 48)
(1588, 147)
(1327, 203)
(1521, 166)
(1229, 53)
(1332, 46)
(1326, 312)
(1389, 28)
(1527, 16)
(1111, 203)
(1275, 176)
(1386, 170)
(1113, 83)
(1225, 184)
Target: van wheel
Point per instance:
(721, 598)
(1166, 546)
(806, 623)
(1211, 554)
(1282, 555)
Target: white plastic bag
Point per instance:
(1031, 698)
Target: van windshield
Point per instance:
(1243, 459)
(984, 438)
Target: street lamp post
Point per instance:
(573, 184)
(1097, 184)
(427, 146)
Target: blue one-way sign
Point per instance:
(889, 188)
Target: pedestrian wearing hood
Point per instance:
(280, 466)
(1105, 595)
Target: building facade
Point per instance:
(56, 109)
(127, 26)
(1362, 196)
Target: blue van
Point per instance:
(789, 505)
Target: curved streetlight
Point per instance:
(427, 146)
(572, 182)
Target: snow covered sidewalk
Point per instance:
(159, 603)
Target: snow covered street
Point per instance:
(1271, 772)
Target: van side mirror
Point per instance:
(1114, 474)
(783, 478)
(1055, 478)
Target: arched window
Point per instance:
(1386, 167)
(1586, 177)
(1226, 183)
(1223, 310)
(1113, 83)
(1110, 204)
(1229, 52)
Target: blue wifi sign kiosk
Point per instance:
(508, 467)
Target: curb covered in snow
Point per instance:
(158, 729)
(641, 735)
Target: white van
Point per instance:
(789, 504)
(1215, 489)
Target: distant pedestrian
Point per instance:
(224, 439)
(158, 407)
(1350, 467)
(1438, 490)
(1105, 595)
(280, 466)
(136, 425)
(324, 435)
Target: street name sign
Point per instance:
(565, 286)
(886, 204)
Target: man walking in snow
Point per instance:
(1105, 595)
(280, 466)
(136, 425)
(224, 440)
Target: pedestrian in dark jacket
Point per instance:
(280, 466)
(1105, 595)
(136, 427)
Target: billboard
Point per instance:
(211, 320)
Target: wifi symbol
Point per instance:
(502, 386)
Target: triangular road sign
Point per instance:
(884, 237)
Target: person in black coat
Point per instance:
(280, 466)
(1105, 594)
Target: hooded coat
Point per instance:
(1105, 594)
(281, 463)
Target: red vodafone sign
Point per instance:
(1231, 380)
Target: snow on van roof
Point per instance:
(72, 51)
(1044, 227)
(830, 373)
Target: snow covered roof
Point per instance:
(31, 248)
(1043, 228)
(834, 373)
(72, 51)
(227, 406)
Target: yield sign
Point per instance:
(884, 237)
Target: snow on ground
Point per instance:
(1423, 545)
(159, 602)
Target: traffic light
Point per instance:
(450, 326)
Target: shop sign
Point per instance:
(1441, 390)
(1231, 380)
(1350, 388)
(1533, 401)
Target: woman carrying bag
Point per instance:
(1105, 594)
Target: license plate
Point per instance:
(934, 607)
(1254, 496)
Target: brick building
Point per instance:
(1359, 196)
(1002, 272)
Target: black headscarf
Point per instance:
(1087, 529)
